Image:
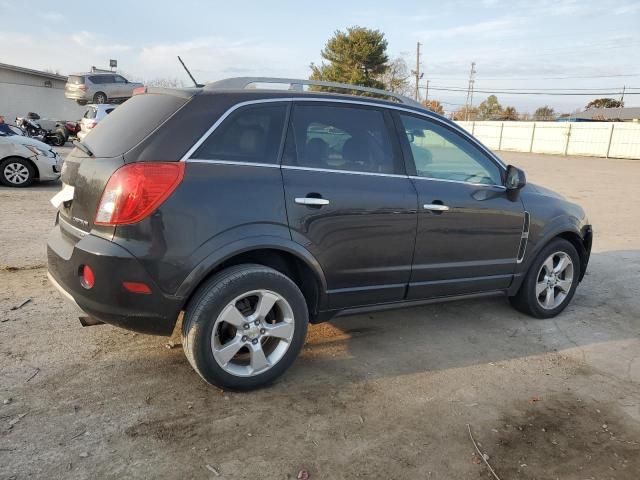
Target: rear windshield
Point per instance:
(75, 80)
(131, 123)
(90, 113)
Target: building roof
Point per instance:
(628, 113)
(30, 71)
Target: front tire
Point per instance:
(244, 327)
(551, 281)
(17, 172)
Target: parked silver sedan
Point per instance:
(98, 88)
(24, 160)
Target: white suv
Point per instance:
(92, 117)
(24, 160)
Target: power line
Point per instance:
(508, 92)
(567, 77)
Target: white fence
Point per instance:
(598, 139)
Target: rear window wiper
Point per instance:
(83, 147)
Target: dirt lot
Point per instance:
(382, 396)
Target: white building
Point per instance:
(25, 90)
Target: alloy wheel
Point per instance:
(16, 173)
(252, 333)
(554, 280)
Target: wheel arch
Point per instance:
(580, 238)
(288, 258)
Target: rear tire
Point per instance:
(234, 328)
(551, 281)
(17, 172)
(100, 98)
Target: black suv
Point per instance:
(255, 212)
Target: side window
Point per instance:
(119, 79)
(102, 79)
(340, 138)
(443, 154)
(250, 134)
(90, 113)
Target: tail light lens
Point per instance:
(82, 87)
(91, 124)
(88, 279)
(136, 190)
(139, 90)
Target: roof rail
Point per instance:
(241, 83)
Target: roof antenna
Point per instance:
(199, 85)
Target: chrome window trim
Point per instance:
(490, 185)
(461, 131)
(233, 162)
(348, 172)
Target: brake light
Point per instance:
(82, 87)
(136, 190)
(139, 90)
(91, 124)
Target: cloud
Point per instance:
(626, 9)
(210, 58)
(497, 27)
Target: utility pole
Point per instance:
(426, 99)
(624, 87)
(469, 101)
(417, 73)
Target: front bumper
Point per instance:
(155, 313)
(49, 168)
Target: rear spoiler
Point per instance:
(176, 92)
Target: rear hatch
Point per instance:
(88, 167)
(75, 84)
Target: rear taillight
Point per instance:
(82, 87)
(139, 90)
(91, 124)
(136, 190)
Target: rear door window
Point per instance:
(101, 79)
(338, 137)
(251, 134)
(90, 113)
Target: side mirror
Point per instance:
(516, 179)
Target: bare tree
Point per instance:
(396, 78)
(165, 82)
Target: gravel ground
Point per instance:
(380, 396)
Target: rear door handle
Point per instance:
(434, 207)
(312, 201)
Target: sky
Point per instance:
(519, 45)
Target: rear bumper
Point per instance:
(155, 313)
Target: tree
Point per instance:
(544, 113)
(604, 103)
(462, 114)
(490, 109)
(434, 106)
(357, 56)
(165, 83)
(396, 78)
(509, 113)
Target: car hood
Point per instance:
(23, 140)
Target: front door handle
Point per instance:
(434, 207)
(316, 202)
